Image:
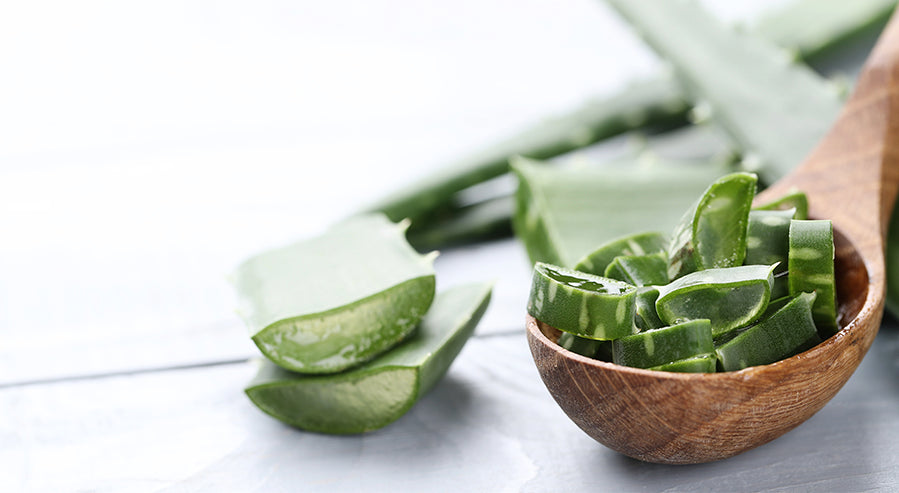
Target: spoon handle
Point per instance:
(852, 176)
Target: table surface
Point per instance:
(149, 149)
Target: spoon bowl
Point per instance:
(681, 418)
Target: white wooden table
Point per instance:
(147, 149)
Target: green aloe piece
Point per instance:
(744, 82)
(636, 244)
(812, 270)
(332, 302)
(646, 316)
(657, 101)
(660, 346)
(712, 233)
(379, 392)
(730, 297)
(582, 304)
(562, 214)
(639, 270)
(795, 199)
(580, 345)
(705, 363)
(768, 242)
(481, 221)
(788, 331)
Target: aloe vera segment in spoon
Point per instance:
(665, 345)
(794, 199)
(582, 304)
(788, 331)
(332, 302)
(729, 298)
(712, 233)
(705, 363)
(646, 316)
(639, 270)
(633, 244)
(580, 345)
(380, 391)
(768, 242)
(811, 266)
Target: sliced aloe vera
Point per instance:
(582, 304)
(705, 363)
(636, 244)
(811, 270)
(729, 298)
(661, 346)
(794, 199)
(379, 392)
(639, 270)
(646, 317)
(712, 233)
(768, 242)
(329, 303)
(580, 345)
(788, 331)
(562, 214)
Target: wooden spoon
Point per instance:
(675, 418)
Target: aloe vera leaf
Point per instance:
(729, 297)
(794, 199)
(768, 242)
(712, 233)
(746, 83)
(329, 303)
(583, 304)
(563, 214)
(786, 332)
(636, 244)
(660, 346)
(655, 101)
(704, 363)
(639, 270)
(379, 392)
(580, 345)
(646, 316)
(814, 28)
(812, 270)
(481, 221)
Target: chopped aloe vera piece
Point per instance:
(637, 244)
(582, 304)
(794, 199)
(712, 233)
(811, 269)
(647, 318)
(580, 345)
(639, 270)
(660, 346)
(790, 330)
(329, 303)
(705, 363)
(768, 242)
(379, 392)
(730, 298)
(562, 214)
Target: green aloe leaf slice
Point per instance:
(582, 304)
(379, 392)
(811, 270)
(730, 297)
(637, 244)
(768, 242)
(580, 345)
(646, 317)
(705, 363)
(712, 233)
(794, 199)
(788, 331)
(563, 214)
(329, 303)
(639, 270)
(661, 346)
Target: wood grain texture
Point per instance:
(851, 178)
